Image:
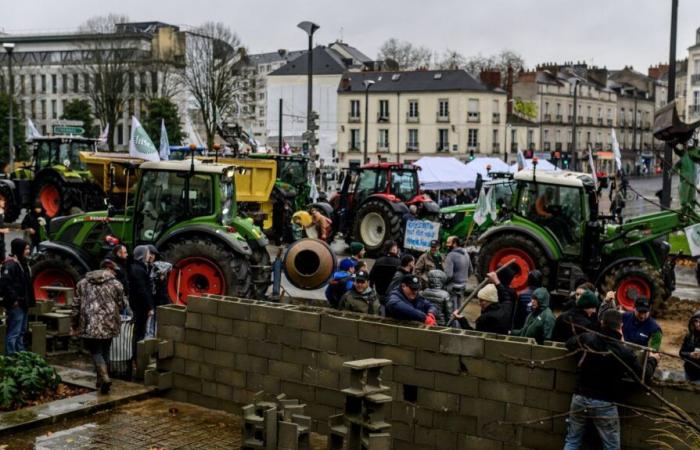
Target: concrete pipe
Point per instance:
(309, 263)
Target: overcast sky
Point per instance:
(602, 32)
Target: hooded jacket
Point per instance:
(382, 272)
(495, 318)
(399, 307)
(540, 322)
(562, 327)
(340, 283)
(16, 278)
(457, 266)
(140, 286)
(365, 302)
(438, 296)
(690, 343)
(95, 310)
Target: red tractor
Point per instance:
(372, 202)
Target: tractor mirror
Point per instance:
(111, 211)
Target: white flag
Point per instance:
(140, 145)
(105, 134)
(31, 131)
(592, 164)
(521, 159)
(616, 150)
(484, 207)
(164, 150)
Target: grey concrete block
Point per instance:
(398, 355)
(231, 344)
(483, 368)
(300, 356)
(314, 340)
(230, 377)
(438, 362)
(267, 314)
(458, 343)
(166, 349)
(458, 384)
(500, 391)
(438, 401)
(539, 378)
(171, 315)
(233, 310)
(202, 305)
(219, 358)
(285, 370)
(303, 320)
(339, 326)
(283, 335)
(414, 377)
(507, 349)
(171, 332)
(378, 332)
(418, 338)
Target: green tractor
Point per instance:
(55, 177)
(553, 225)
(188, 211)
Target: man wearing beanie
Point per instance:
(19, 294)
(357, 251)
(540, 322)
(495, 317)
(579, 319)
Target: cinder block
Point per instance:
(303, 320)
(38, 333)
(418, 338)
(230, 377)
(411, 414)
(284, 370)
(553, 401)
(552, 350)
(518, 413)
(483, 368)
(257, 382)
(539, 378)
(192, 368)
(434, 438)
(231, 344)
(243, 396)
(175, 365)
(339, 326)
(377, 332)
(456, 423)
(402, 432)
(500, 391)
(457, 343)
(438, 401)
(181, 350)
(457, 384)
(301, 391)
(233, 310)
(193, 320)
(284, 335)
(355, 349)
(166, 349)
(314, 340)
(214, 324)
(329, 397)
(217, 358)
(439, 362)
(507, 350)
(331, 361)
(190, 384)
(203, 400)
(202, 305)
(267, 314)
(269, 350)
(200, 338)
(195, 353)
(399, 356)
(543, 440)
(411, 376)
(320, 377)
(171, 315)
(171, 332)
(467, 442)
(300, 356)
(249, 363)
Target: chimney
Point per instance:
(509, 90)
(345, 84)
(282, 52)
(491, 78)
(656, 72)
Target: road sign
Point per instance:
(68, 130)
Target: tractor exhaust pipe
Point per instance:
(309, 263)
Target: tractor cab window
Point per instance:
(164, 201)
(557, 208)
(44, 155)
(69, 153)
(369, 182)
(292, 172)
(503, 193)
(404, 184)
(227, 201)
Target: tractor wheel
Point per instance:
(261, 271)
(376, 223)
(12, 209)
(93, 199)
(51, 269)
(633, 280)
(204, 266)
(505, 247)
(49, 194)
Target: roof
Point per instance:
(560, 177)
(352, 51)
(270, 57)
(185, 166)
(325, 62)
(413, 81)
(520, 121)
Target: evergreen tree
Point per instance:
(80, 109)
(20, 146)
(158, 109)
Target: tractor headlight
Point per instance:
(66, 162)
(448, 216)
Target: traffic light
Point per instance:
(313, 121)
(471, 155)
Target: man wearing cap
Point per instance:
(599, 382)
(357, 251)
(495, 317)
(430, 260)
(578, 319)
(404, 303)
(340, 282)
(540, 322)
(407, 266)
(639, 327)
(361, 298)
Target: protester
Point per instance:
(140, 293)
(323, 225)
(639, 327)
(580, 289)
(360, 298)
(357, 251)
(457, 267)
(438, 296)
(18, 295)
(577, 320)
(540, 322)
(340, 282)
(430, 260)
(406, 267)
(120, 256)
(361, 265)
(99, 297)
(495, 317)
(32, 223)
(608, 303)
(158, 271)
(384, 269)
(522, 308)
(411, 214)
(3, 229)
(690, 349)
(404, 303)
(599, 382)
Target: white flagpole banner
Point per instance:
(105, 134)
(140, 145)
(164, 150)
(31, 132)
(616, 150)
(521, 159)
(592, 164)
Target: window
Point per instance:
(86, 82)
(132, 83)
(473, 110)
(21, 84)
(383, 143)
(384, 109)
(369, 182)
(473, 137)
(355, 109)
(530, 137)
(43, 109)
(588, 108)
(261, 96)
(43, 83)
(64, 83)
(131, 107)
(404, 183)
(32, 104)
(154, 82)
(412, 139)
(558, 109)
(495, 137)
(546, 108)
(413, 108)
(120, 134)
(444, 108)
(557, 208)
(54, 110)
(76, 83)
(142, 83)
(443, 143)
(354, 139)
(32, 83)
(54, 84)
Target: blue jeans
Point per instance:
(603, 415)
(16, 327)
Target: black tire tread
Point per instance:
(659, 293)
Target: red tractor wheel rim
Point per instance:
(50, 200)
(52, 277)
(631, 288)
(522, 260)
(194, 276)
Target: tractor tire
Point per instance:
(528, 256)
(261, 271)
(204, 266)
(57, 198)
(93, 198)
(376, 223)
(52, 269)
(12, 209)
(635, 279)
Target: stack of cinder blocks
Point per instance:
(279, 425)
(363, 426)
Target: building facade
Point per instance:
(419, 113)
(693, 81)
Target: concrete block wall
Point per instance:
(450, 387)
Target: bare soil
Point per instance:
(63, 391)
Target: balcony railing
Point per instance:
(610, 122)
(442, 118)
(547, 146)
(571, 118)
(559, 118)
(382, 147)
(442, 147)
(473, 117)
(694, 109)
(473, 147)
(496, 147)
(599, 146)
(547, 117)
(353, 118)
(412, 118)
(589, 120)
(353, 146)
(557, 146)
(496, 118)
(513, 147)
(412, 147)
(600, 121)
(382, 117)
(695, 78)
(579, 119)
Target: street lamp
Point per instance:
(573, 126)
(309, 28)
(505, 150)
(9, 48)
(367, 84)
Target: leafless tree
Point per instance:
(215, 59)
(405, 54)
(451, 59)
(501, 62)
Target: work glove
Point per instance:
(430, 320)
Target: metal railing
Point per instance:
(411, 147)
(473, 117)
(496, 118)
(352, 118)
(442, 147)
(442, 118)
(412, 118)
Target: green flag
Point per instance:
(140, 145)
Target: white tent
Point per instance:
(484, 165)
(443, 172)
(542, 164)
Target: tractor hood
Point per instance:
(468, 207)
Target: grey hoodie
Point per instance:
(457, 266)
(140, 253)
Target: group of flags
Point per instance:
(141, 146)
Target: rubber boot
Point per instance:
(104, 375)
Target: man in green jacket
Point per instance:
(361, 298)
(540, 322)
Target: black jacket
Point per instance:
(16, 280)
(562, 327)
(382, 272)
(396, 279)
(496, 318)
(690, 343)
(140, 288)
(122, 274)
(31, 220)
(600, 376)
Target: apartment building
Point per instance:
(693, 81)
(418, 113)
